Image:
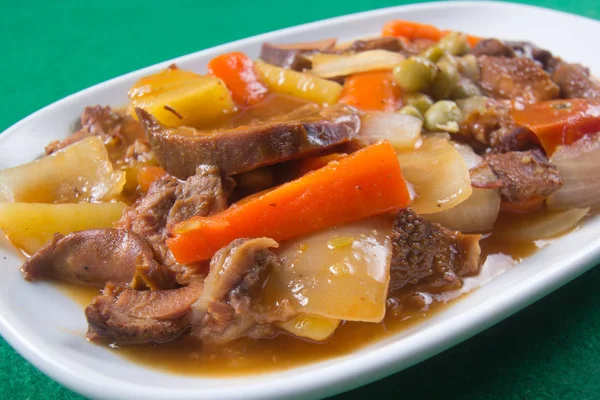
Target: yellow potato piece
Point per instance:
(182, 98)
(439, 175)
(311, 327)
(302, 85)
(339, 273)
(80, 172)
(29, 226)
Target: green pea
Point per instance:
(472, 104)
(433, 53)
(465, 88)
(454, 43)
(468, 66)
(414, 73)
(412, 111)
(443, 115)
(446, 79)
(418, 100)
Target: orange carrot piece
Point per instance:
(311, 163)
(373, 90)
(236, 70)
(363, 184)
(558, 122)
(411, 30)
(148, 174)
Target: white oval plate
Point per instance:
(47, 327)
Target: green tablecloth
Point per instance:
(550, 350)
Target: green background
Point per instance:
(551, 350)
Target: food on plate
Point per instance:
(324, 188)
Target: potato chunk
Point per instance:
(80, 172)
(29, 226)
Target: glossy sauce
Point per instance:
(250, 356)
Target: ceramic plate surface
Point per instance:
(47, 327)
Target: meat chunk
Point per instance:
(292, 56)
(94, 257)
(531, 51)
(381, 43)
(245, 148)
(524, 175)
(429, 255)
(492, 47)
(116, 129)
(126, 316)
(519, 79)
(201, 194)
(494, 126)
(575, 82)
(225, 311)
(168, 202)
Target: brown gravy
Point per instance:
(249, 356)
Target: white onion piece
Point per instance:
(339, 273)
(472, 159)
(402, 131)
(79, 172)
(335, 65)
(476, 214)
(578, 165)
(539, 225)
(439, 175)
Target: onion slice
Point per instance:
(538, 225)
(578, 165)
(439, 175)
(476, 214)
(336, 65)
(402, 131)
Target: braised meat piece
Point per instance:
(125, 316)
(117, 130)
(427, 254)
(225, 311)
(575, 82)
(492, 47)
(382, 43)
(181, 150)
(97, 256)
(524, 175)
(520, 79)
(292, 56)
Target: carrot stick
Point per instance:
(236, 70)
(559, 122)
(472, 39)
(366, 183)
(411, 30)
(148, 174)
(311, 163)
(373, 90)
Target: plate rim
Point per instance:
(326, 380)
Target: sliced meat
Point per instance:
(492, 47)
(429, 255)
(575, 82)
(518, 79)
(201, 194)
(292, 56)
(116, 129)
(225, 311)
(381, 43)
(524, 175)
(126, 316)
(181, 150)
(94, 257)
